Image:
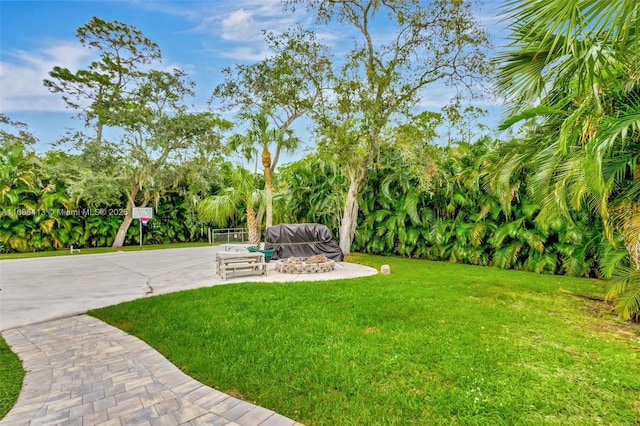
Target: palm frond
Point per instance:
(613, 259)
(625, 288)
(629, 302)
(528, 114)
(217, 209)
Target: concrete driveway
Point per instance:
(42, 289)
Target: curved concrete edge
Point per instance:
(80, 370)
(203, 275)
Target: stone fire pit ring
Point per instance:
(305, 265)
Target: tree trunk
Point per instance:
(268, 185)
(350, 214)
(631, 232)
(126, 222)
(269, 214)
(99, 128)
(124, 228)
(253, 227)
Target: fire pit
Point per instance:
(305, 265)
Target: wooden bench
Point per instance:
(233, 264)
(239, 269)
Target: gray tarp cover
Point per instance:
(301, 240)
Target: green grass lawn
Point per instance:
(433, 343)
(11, 374)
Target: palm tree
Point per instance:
(572, 72)
(260, 135)
(225, 205)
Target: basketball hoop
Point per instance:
(144, 220)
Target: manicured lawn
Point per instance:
(11, 374)
(433, 343)
(96, 250)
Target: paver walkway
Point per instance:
(82, 371)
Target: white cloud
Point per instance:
(265, 7)
(243, 28)
(21, 80)
(236, 25)
(240, 26)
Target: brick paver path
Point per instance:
(82, 371)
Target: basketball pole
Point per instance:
(143, 214)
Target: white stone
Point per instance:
(385, 270)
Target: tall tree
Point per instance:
(280, 88)
(160, 131)
(147, 106)
(100, 91)
(385, 75)
(260, 135)
(572, 73)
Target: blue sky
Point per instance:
(200, 37)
